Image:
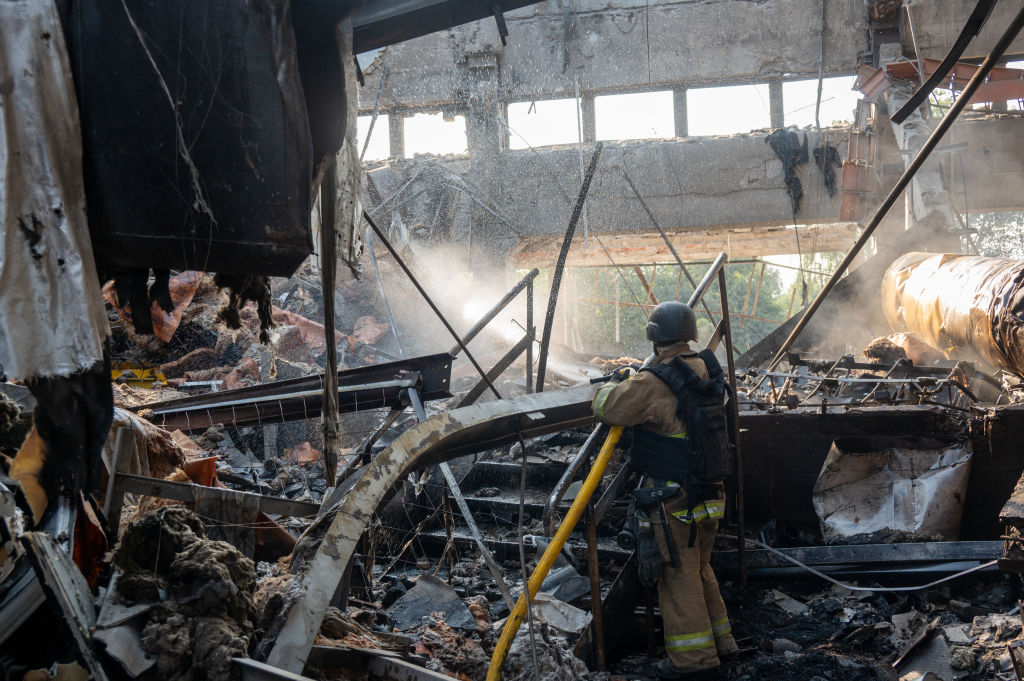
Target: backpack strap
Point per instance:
(711, 362)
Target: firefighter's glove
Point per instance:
(620, 375)
(648, 556)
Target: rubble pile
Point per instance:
(956, 632)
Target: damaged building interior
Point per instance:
(320, 322)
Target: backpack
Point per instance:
(702, 407)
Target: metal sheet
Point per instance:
(69, 595)
(898, 489)
(371, 387)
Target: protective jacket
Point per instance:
(697, 626)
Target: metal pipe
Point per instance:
(498, 369)
(525, 282)
(328, 270)
(596, 607)
(572, 517)
(430, 303)
(735, 414)
(965, 306)
(376, 111)
(567, 477)
(383, 295)
(532, 333)
(556, 277)
(709, 278)
(933, 141)
(382, 427)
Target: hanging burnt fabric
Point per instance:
(966, 306)
(786, 145)
(827, 158)
(196, 139)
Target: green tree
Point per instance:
(999, 234)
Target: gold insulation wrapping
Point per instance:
(968, 307)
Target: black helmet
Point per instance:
(672, 322)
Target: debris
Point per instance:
(827, 158)
(920, 637)
(929, 655)
(555, 658)
(563, 583)
(783, 645)
(888, 349)
(154, 451)
(786, 145)
(370, 330)
(302, 454)
(559, 615)
(201, 593)
(68, 596)
(429, 596)
(790, 605)
(451, 652)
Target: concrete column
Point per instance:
(927, 198)
(589, 121)
(484, 137)
(396, 135)
(679, 111)
(503, 133)
(775, 104)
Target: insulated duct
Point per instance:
(962, 305)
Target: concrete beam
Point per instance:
(993, 163)
(687, 183)
(739, 241)
(614, 45)
(937, 23)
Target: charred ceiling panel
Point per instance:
(197, 143)
(385, 22)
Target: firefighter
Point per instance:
(676, 510)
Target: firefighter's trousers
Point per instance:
(697, 626)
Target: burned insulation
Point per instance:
(962, 305)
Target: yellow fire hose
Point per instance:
(551, 553)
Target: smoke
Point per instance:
(464, 291)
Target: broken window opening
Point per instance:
(635, 115)
(727, 110)
(838, 101)
(433, 133)
(380, 147)
(542, 123)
